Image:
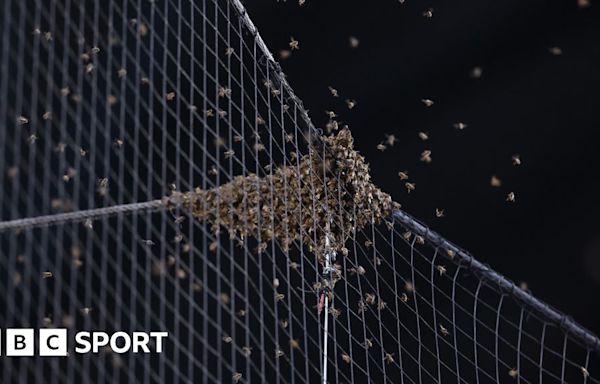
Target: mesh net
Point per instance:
(113, 112)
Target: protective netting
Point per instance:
(113, 113)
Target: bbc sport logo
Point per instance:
(55, 342)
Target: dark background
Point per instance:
(528, 101)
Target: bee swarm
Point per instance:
(330, 184)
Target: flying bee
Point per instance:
(294, 344)
(439, 212)
(513, 372)
(22, 120)
(47, 275)
(427, 102)
(390, 140)
(229, 51)
(350, 103)
(333, 91)
(495, 181)
(278, 352)
(122, 73)
(510, 197)
(170, 96)
(426, 156)
(294, 44)
(459, 125)
(403, 175)
(428, 13)
(381, 147)
(404, 297)
(584, 372)
(229, 153)
(353, 41)
(368, 343)
(410, 186)
(346, 358)
(236, 377)
(423, 136)
(516, 160)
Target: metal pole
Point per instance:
(327, 274)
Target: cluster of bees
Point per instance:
(327, 193)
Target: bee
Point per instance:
(358, 270)
(294, 344)
(145, 80)
(86, 311)
(180, 273)
(279, 296)
(335, 312)
(407, 235)
(441, 269)
(331, 114)
(423, 136)
(224, 92)
(89, 68)
(439, 212)
(427, 102)
(237, 377)
(22, 120)
(95, 50)
(247, 351)
(82, 152)
(229, 51)
(353, 41)
(229, 153)
(32, 138)
(283, 323)
(409, 286)
(403, 297)
(122, 73)
(403, 175)
(222, 114)
(410, 187)
(556, 51)
(390, 140)
(389, 358)
(426, 156)
(346, 358)
(88, 224)
(47, 275)
(370, 298)
(460, 125)
(495, 181)
(428, 13)
(241, 313)
(513, 373)
(103, 186)
(213, 246)
(285, 54)
(584, 372)
(381, 305)
(47, 115)
(65, 91)
(294, 44)
(260, 120)
(148, 242)
(350, 103)
(111, 100)
(510, 197)
(450, 253)
(381, 147)
(170, 96)
(333, 91)
(209, 113)
(278, 352)
(476, 72)
(301, 2)
(443, 330)
(516, 160)
(48, 36)
(225, 298)
(420, 239)
(368, 343)
(227, 339)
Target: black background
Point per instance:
(528, 101)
